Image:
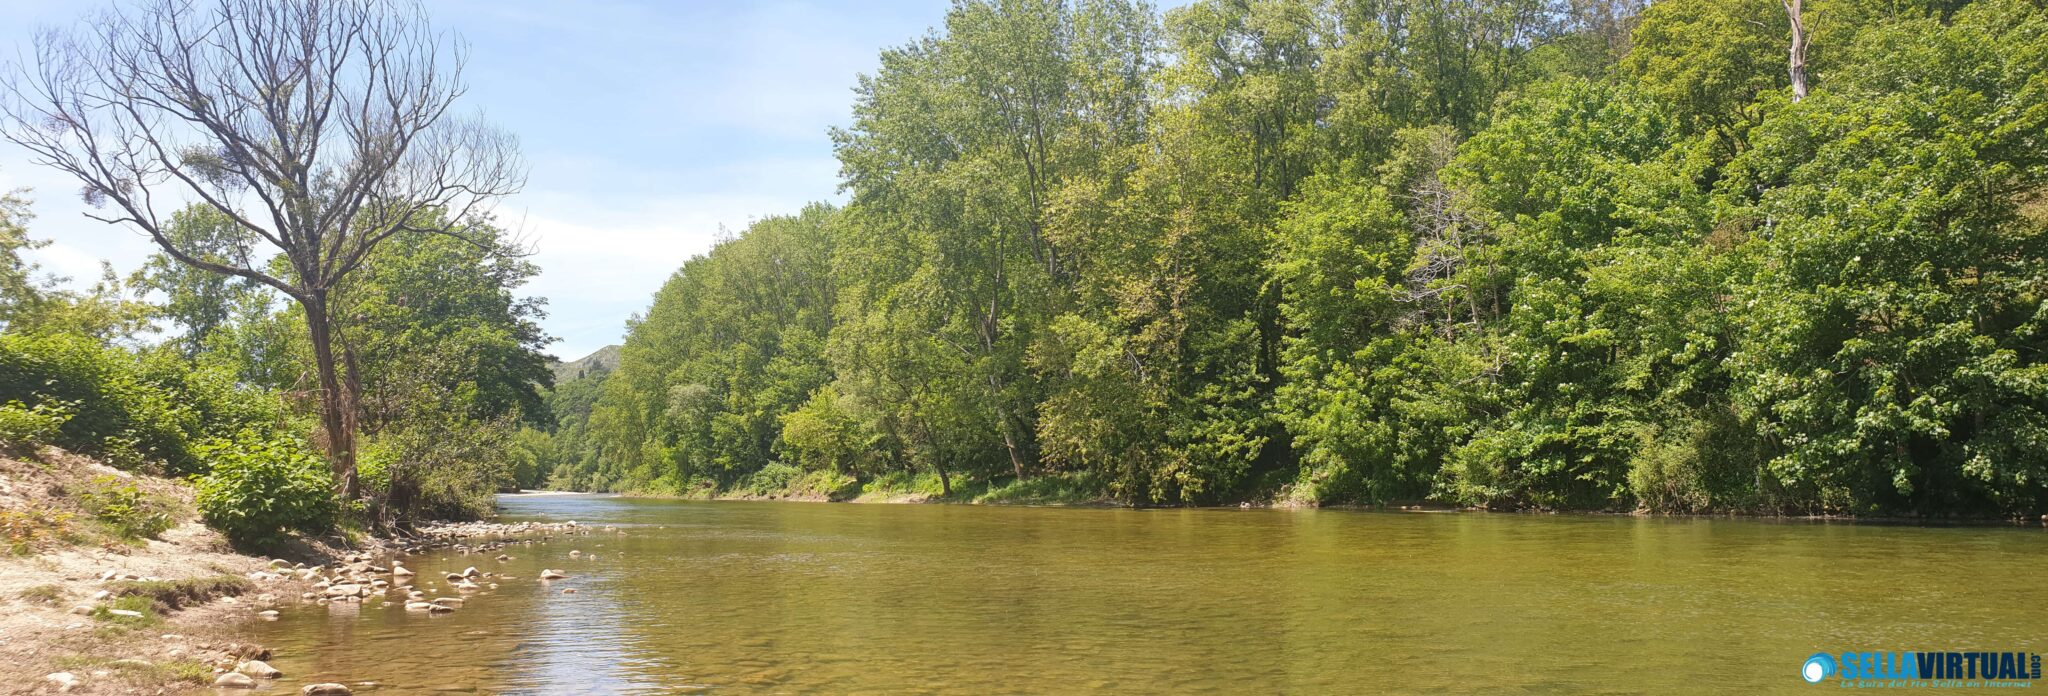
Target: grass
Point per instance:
(45, 594)
(127, 511)
(1064, 488)
(116, 623)
(140, 671)
(172, 595)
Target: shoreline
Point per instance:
(89, 611)
(2017, 522)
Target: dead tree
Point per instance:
(1797, 63)
(323, 127)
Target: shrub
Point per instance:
(133, 513)
(127, 409)
(262, 487)
(439, 466)
(30, 427)
(30, 528)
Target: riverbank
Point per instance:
(1048, 490)
(1080, 491)
(113, 586)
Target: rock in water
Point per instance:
(547, 574)
(259, 669)
(234, 680)
(469, 572)
(401, 570)
(328, 689)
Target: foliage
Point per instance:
(30, 528)
(440, 466)
(1494, 253)
(262, 487)
(25, 427)
(132, 512)
(128, 408)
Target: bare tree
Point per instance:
(323, 127)
(1797, 64)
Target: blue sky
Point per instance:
(648, 127)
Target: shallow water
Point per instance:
(759, 598)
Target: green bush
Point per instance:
(25, 426)
(132, 512)
(262, 487)
(439, 466)
(127, 408)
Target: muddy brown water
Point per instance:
(764, 598)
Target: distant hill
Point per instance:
(605, 359)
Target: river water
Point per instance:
(763, 598)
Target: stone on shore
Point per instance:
(65, 681)
(259, 669)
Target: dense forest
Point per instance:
(1699, 255)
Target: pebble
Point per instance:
(65, 681)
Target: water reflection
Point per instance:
(812, 598)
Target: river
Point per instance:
(762, 597)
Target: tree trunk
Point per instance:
(1797, 65)
(337, 413)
